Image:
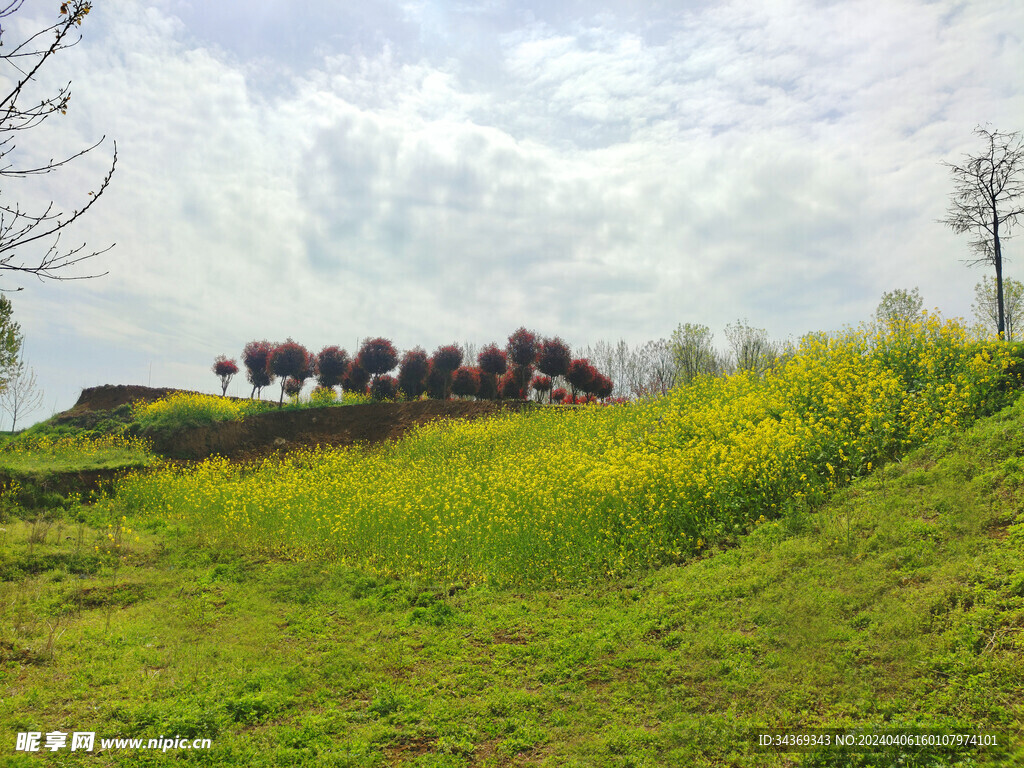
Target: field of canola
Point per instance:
(567, 495)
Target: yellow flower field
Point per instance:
(566, 495)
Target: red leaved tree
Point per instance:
(292, 386)
(558, 395)
(437, 382)
(602, 386)
(540, 385)
(226, 370)
(331, 364)
(377, 356)
(412, 373)
(509, 387)
(553, 358)
(466, 382)
(580, 376)
(493, 363)
(355, 379)
(291, 360)
(257, 371)
(444, 362)
(522, 353)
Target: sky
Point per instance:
(437, 172)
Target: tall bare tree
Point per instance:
(22, 229)
(987, 200)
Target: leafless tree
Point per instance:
(987, 200)
(20, 394)
(470, 350)
(752, 349)
(614, 361)
(21, 228)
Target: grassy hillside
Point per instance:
(898, 604)
(566, 497)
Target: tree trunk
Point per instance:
(998, 256)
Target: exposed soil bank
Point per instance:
(284, 429)
(35, 488)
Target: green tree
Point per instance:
(693, 352)
(899, 309)
(10, 340)
(986, 306)
(987, 200)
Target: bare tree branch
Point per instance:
(987, 200)
(18, 227)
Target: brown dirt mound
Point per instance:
(108, 397)
(283, 430)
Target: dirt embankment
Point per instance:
(284, 429)
(110, 396)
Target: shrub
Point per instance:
(384, 388)
(292, 387)
(541, 384)
(558, 395)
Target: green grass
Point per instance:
(899, 604)
(49, 455)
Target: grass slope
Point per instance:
(899, 604)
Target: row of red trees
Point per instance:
(526, 364)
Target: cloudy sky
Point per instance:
(438, 171)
